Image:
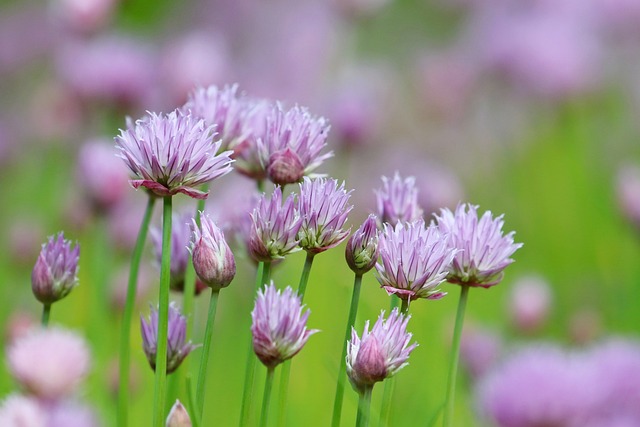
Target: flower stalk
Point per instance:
(266, 397)
(202, 374)
(455, 356)
(364, 407)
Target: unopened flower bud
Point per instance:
(212, 258)
(285, 167)
(178, 416)
(55, 271)
(370, 363)
(362, 247)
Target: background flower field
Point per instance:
(538, 129)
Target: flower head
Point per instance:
(274, 227)
(177, 349)
(246, 152)
(223, 109)
(212, 258)
(414, 260)
(56, 270)
(279, 327)
(178, 416)
(362, 247)
(397, 200)
(324, 208)
(483, 250)
(171, 154)
(381, 352)
(292, 144)
(22, 411)
(49, 363)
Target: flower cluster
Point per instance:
(397, 200)
(55, 273)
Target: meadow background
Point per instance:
(415, 86)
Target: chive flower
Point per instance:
(55, 272)
(397, 200)
(213, 260)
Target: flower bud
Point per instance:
(362, 247)
(285, 167)
(55, 271)
(178, 416)
(370, 363)
(212, 258)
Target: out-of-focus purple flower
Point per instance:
(323, 206)
(55, 273)
(292, 144)
(279, 327)
(529, 303)
(361, 252)
(414, 260)
(177, 349)
(49, 363)
(178, 416)
(180, 240)
(483, 250)
(172, 154)
(628, 191)
(83, 16)
(120, 284)
(539, 386)
(480, 350)
(585, 325)
(224, 109)
(22, 411)
(113, 69)
(212, 258)
(274, 227)
(71, 414)
(199, 58)
(359, 8)
(397, 200)
(102, 174)
(381, 352)
(246, 151)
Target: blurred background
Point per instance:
(527, 108)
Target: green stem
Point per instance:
(404, 308)
(204, 360)
(266, 397)
(453, 366)
(286, 366)
(163, 318)
(389, 384)
(125, 333)
(46, 312)
(192, 402)
(304, 278)
(250, 368)
(364, 406)
(337, 403)
(266, 274)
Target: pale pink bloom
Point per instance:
(22, 411)
(84, 16)
(178, 416)
(50, 363)
(530, 303)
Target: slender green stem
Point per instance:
(453, 365)
(266, 398)
(404, 308)
(266, 274)
(304, 278)
(353, 310)
(125, 333)
(163, 318)
(286, 366)
(250, 369)
(46, 312)
(364, 406)
(192, 402)
(389, 383)
(206, 348)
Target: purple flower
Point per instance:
(292, 144)
(397, 200)
(279, 327)
(19, 411)
(177, 349)
(172, 154)
(324, 208)
(246, 152)
(529, 303)
(49, 363)
(55, 273)
(212, 258)
(483, 251)
(628, 192)
(223, 109)
(381, 352)
(361, 252)
(414, 260)
(71, 414)
(274, 227)
(178, 416)
(540, 386)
